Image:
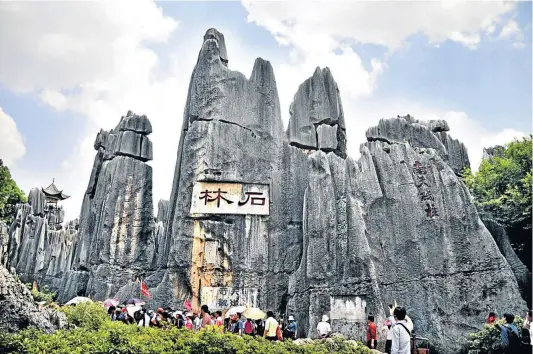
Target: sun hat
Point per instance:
(325, 318)
(291, 318)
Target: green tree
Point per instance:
(10, 195)
(502, 190)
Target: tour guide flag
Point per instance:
(187, 304)
(144, 289)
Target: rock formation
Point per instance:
(116, 241)
(283, 220)
(39, 245)
(19, 311)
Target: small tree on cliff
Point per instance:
(10, 195)
(502, 190)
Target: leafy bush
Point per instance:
(42, 295)
(116, 337)
(87, 315)
(488, 339)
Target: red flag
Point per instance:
(144, 289)
(187, 304)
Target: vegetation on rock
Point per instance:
(488, 339)
(95, 333)
(10, 195)
(502, 191)
(41, 295)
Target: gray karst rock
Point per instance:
(39, 245)
(493, 151)
(116, 241)
(281, 220)
(317, 103)
(19, 311)
(522, 274)
(431, 134)
(4, 244)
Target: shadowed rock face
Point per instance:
(40, 247)
(116, 240)
(19, 311)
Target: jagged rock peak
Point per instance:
(37, 200)
(135, 123)
(212, 33)
(318, 104)
(129, 138)
(493, 151)
(218, 93)
(421, 134)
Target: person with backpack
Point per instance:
(401, 336)
(510, 336)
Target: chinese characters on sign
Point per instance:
(219, 298)
(230, 198)
(424, 192)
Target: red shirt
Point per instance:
(371, 332)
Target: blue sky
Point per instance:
(468, 63)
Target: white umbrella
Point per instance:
(78, 300)
(234, 310)
(132, 309)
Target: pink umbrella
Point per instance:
(111, 302)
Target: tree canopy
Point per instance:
(10, 195)
(502, 191)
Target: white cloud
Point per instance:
(326, 25)
(512, 31)
(93, 58)
(11, 142)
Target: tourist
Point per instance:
(401, 336)
(117, 315)
(290, 331)
(526, 332)
(259, 328)
(219, 321)
(142, 318)
(180, 321)
(271, 327)
(240, 324)
(492, 318)
(123, 316)
(188, 321)
(111, 312)
(510, 339)
(197, 322)
(323, 329)
(387, 333)
(206, 316)
(249, 327)
(371, 333)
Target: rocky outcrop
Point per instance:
(115, 242)
(421, 134)
(522, 274)
(317, 118)
(19, 311)
(39, 245)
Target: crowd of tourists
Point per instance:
(397, 329)
(270, 328)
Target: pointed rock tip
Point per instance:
(213, 33)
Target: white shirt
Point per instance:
(323, 328)
(409, 324)
(401, 340)
(387, 330)
(146, 321)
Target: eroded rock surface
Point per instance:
(19, 311)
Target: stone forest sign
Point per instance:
(230, 198)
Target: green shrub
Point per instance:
(43, 295)
(116, 337)
(488, 339)
(87, 315)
